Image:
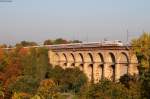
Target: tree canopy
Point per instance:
(26, 43)
(141, 47)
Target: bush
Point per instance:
(47, 89)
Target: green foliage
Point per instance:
(35, 65)
(27, 84)
(145, 80)
(3, 64)
(126, 79)
(35, 68)
(141, 46)
(29, 73)
(56, 74)
(26, 43)
(73, 79)
(70, 79)
(60, 41)
(132, 84)
(3, 59)
(106, 89)
(75, 41)
(48, 42)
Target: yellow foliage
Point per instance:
(20, 95)
(47, 89)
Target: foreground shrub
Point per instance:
(21, 96)
(47, 89)
(106, 89)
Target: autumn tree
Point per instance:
(2, 59)
(3, 46)
(12, 68)
(47, 89)
(35, 65)
(20, 95)
(141, 47)
(1, 92)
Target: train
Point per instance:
(76, 45)
(115, 42)
(90, 44)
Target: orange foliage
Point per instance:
(1, 54)
(13, 68)
(23, 51)
(11, 71)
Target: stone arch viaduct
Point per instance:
(95, 61)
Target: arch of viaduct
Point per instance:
(99, 62)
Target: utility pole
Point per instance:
(73, 38)
(87, 37)
(127, 39)
(143, 31)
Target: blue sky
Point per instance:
(37, 20)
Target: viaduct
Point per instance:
(97, 61)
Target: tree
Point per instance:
(73, 79)
(20, 96)
(133, 85)
(126, 79)
(106, 89)
(70, 79)
(48, 42)
(35, 64)
(60, 41)
(145, 85)
(55, 74)
(141, 47)
(1, 92)
(47, 89)
(75, 41)
(12, 68)
(2, 59)
(3, 46)
(26, 84)
(26, 43)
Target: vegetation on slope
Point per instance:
(27, 74)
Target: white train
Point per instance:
(115, 43)
(90, 44)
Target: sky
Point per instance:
(86, 20)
